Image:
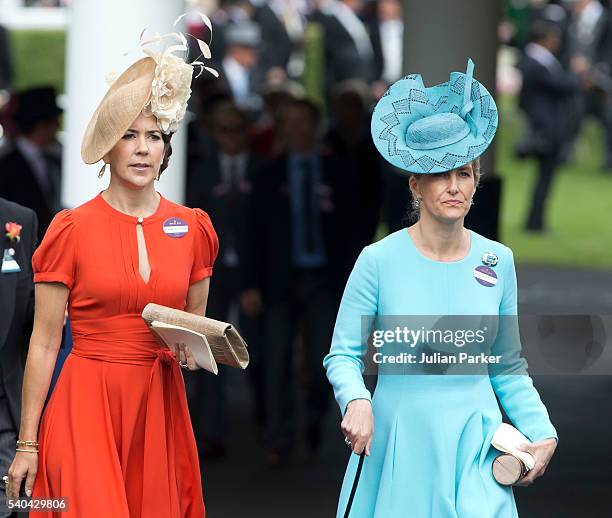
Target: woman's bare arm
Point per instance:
(49, 310)
(197, 296)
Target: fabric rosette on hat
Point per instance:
(170, 91)
(436, 129)
(158, 84)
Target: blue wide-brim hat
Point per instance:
(435, 129)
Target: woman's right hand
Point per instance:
(358, 425)
(25, 465)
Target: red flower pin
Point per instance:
(12, 231)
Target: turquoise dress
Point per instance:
(431, 456)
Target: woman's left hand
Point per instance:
(542, 452)
(184, 355)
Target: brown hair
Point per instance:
(167, 152)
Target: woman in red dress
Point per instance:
(115, 439)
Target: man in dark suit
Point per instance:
(227, 13)
(221, 184)
(294, 269)
(350, 140)
(348, 48)
(6, 69)
(588, 39)
(17, 311)
(30, 174)
(388, 50)
(544, 97)
(278, 43)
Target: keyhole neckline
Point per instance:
(156, 216)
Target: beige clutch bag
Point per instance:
(219, 338)
(514, 464)
(508, 469)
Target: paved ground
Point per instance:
(578, 483)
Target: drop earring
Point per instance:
(102, 171)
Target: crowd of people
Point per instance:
(566, 69)
(270, 165)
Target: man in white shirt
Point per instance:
(239, 64)
(348, 48)
(347, 13)
(546, 92)
(387, 35)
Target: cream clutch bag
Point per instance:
(211, 341)
(514, 464)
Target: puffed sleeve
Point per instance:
(513, 385)
(55, 258)
(206, 247)
(344, 363)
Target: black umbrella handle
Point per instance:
(355, 482)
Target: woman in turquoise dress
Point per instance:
(430, 455)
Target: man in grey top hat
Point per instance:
(239, 65)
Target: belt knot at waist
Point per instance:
(165, 356)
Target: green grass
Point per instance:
(38, 58)
(579, 208)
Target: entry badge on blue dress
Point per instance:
(9, 265)
(485, 276)
(175, 227)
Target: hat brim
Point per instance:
(408, 101)
(124, 101)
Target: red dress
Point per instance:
(115, 437)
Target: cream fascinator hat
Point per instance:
(159, 83)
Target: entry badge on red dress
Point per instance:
(175, 227)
